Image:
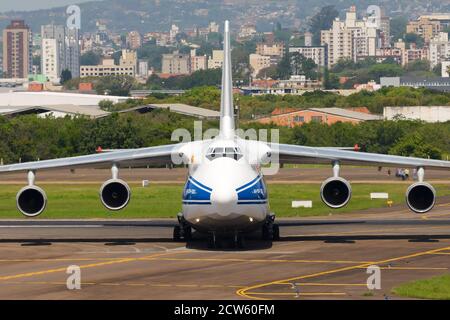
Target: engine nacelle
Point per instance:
(115, 194)
(421, 197)
(31, 201)
(336, 192)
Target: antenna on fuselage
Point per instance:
(226, 101)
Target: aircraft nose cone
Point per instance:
(224, 199)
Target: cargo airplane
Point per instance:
(225, 192)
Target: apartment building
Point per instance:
(275, 49)
(127, 66)
(134, 40)
(17, 63)
(350, 39)
(316, 53)
(259, 62)
(216, 60)
(424, 27)
(439, 49)
(176, 63)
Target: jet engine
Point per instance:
(336, 192)
(115, 194)
(31, 201)
(421, 197)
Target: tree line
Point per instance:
(29, 138)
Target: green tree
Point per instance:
(398, 27)
(90, 58)
(412, 38)
(106, 105)
(415, 145)
(116, 85)
(66, 75)
(323, 20)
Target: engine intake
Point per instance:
(421, 197)
(336, 192)
(31, 201)
(115, 194)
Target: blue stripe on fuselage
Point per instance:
(255, 190)
(195, 191)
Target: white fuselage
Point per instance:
(225, 192)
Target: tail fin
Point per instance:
(226, 103)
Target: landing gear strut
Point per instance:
(270, 230)
(182, 231)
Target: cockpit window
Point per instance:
(227, 152)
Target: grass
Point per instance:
(433, 288)
(164, 201)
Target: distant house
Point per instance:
(291, 118)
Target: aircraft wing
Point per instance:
(300, 154)
(159, 155)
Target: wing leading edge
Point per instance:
(301, 154)
(159, 155)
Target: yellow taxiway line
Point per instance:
(246, 292)
(92, 265)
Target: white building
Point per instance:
(127, 66)
(317, 54)
(45, 98)
(174, 30)
(143, 68)
(445, 69)
(216, 61)
(60, 51)
(51, 59)
(259, 62)
(53, 51)
(439, 49)
(424, 113)
(247, 30)
(350, 39)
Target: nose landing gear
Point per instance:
(182, 231)
(270, 230)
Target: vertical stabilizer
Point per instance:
(226, 103)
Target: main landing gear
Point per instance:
(270, 230)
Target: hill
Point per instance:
(158, 15)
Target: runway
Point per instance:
(317, 258)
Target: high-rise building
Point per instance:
(439, 49)
(60, 51)
(17, 61)
(143, 68)
(350, 39)
(134, 40)
(53, 50)
(73, 52)
(174, 30)
(308, 39)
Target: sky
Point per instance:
(22, 5)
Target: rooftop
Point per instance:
(32, 99)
